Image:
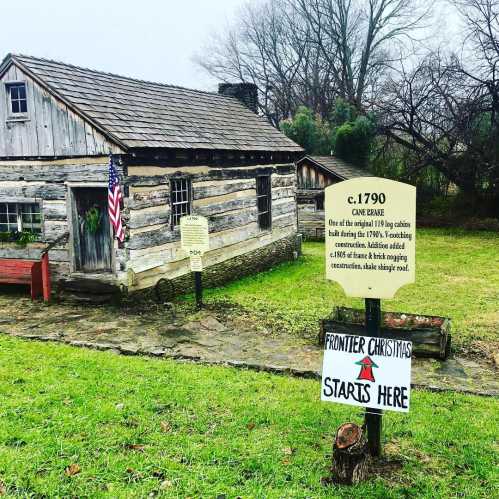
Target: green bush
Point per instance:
(310, 131)
(353, 140)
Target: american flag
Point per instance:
(114, 198)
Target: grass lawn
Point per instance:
(131, 427)
(457, 276)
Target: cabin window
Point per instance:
(319, 203)
(19, 217)
(180, 199)
(264, 201)
(17, 97)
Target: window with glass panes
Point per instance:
(180, 199)
(18, 101)
(20, 217)
(264, 201)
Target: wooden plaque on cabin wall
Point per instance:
(370, 236)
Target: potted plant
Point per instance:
(20, 244)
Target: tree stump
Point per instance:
(350, 455)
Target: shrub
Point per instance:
(353, 140)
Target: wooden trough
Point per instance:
(430, 335)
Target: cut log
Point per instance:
(350, 455)
(347, 435)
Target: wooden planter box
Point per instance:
(32, 251)
(430, 335)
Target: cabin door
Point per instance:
(91, 230)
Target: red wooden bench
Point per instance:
(33, 273)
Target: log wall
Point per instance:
(47, 183)
(226, 196)
(311, 182)
(311, 222)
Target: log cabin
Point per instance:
(177, 151)
(314, 174)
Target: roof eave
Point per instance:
(5, 64)
(293, 151)
(325, 168)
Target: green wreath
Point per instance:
(93, 219)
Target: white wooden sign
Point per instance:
(194, 236)
(370, 236)
(196, 263)
(367, 372)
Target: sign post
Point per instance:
(373, 416)
(198, 284)
(195, 242)
(370, 252)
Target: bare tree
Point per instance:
(310, 52)
(429, 112)
(357, 38)
(267, 47)
(480, 63)
(482, 71)
(445, 111)
(482, 28)
(441, 109)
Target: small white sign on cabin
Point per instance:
(194, 237)
(370, 236)
(196, 262)
(367, 372)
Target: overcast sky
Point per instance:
(149, 39)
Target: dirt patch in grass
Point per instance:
(386, 467)
(484, 350)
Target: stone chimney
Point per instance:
(247, 93)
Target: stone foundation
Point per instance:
(285, 249)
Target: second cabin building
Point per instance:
(314, 174)
(177, 152)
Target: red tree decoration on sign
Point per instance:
(366, 370)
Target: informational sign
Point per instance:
(194, 235)
(196, 263)
(367, 372)
(370, 236)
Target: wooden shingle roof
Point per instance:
(140, 114)
(337, 167)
